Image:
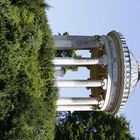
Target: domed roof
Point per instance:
(134, 72)
(123, 72)
(131, 65)
(131, 72)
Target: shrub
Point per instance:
(27, 94)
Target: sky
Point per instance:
(98, 17)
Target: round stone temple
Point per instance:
(114, 72)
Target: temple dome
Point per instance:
(134, 72)
(131, 72)
(131, 66)
(124, 69)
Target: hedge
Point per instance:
(27, 93)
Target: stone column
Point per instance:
(80, 83)
(76, 42)
(75, 108)
(59, 73)
(64, 101)
(58, 61)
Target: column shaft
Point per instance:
(59, 73)
(76, 62)
(75, 108)
(79, 83)
(76, 42)
(77, 101)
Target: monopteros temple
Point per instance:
(114, 72)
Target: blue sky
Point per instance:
(91, 17)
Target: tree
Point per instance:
(91, 126)
(27, 93)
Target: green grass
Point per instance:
(27, 95)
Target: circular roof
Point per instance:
(131, 72)
(123, 71)
(134, 72)
(131, 65)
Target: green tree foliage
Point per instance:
(67, 53)
(27, 96)
(91, 126)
